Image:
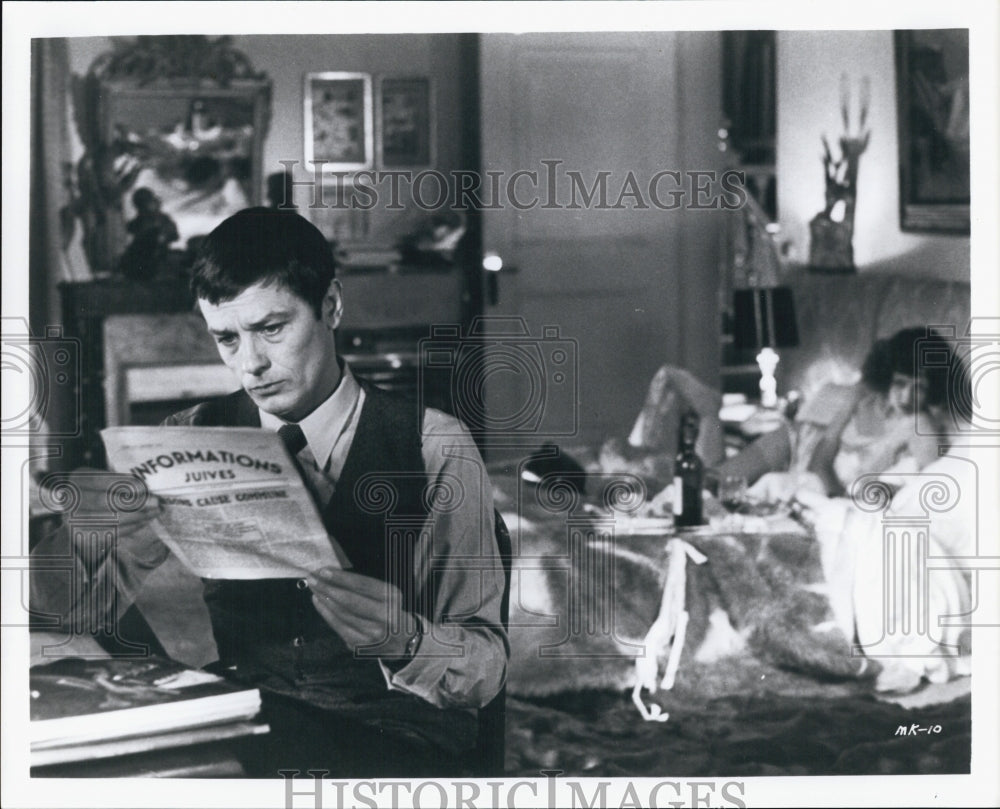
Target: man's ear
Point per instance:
(333, 305)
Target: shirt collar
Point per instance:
(325, 424)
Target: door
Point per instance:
(593, 295)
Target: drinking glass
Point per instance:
(732, 492)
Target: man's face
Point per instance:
(285, 357)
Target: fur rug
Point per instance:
(582, 600)
(599, 734)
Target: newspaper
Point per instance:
(232, 503)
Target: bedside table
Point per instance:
(742, 422)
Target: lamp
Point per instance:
(764, 319)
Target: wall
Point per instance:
(810, 64)
(700, 111)
(285, 60)
(679, 100)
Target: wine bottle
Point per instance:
(688, 475)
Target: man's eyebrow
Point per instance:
(260, 323)
(280, 314)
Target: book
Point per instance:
(143, 744)
(98, 708)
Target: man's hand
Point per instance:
(367, 613)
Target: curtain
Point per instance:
(55, 252)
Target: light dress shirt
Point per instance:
(462, 658)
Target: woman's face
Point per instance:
(906, 393)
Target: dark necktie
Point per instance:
(293, 438)
(295, 441)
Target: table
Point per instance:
(750, 419)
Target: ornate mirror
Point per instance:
(173, 128)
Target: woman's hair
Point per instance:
(262, 245)
(907, 352)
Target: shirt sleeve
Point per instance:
(462, 658)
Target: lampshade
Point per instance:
(764, 317)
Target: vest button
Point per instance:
(301, 584)
(298, 640)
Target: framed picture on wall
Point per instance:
(406, 122)
(339, 121)
(932, 74)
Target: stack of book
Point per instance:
(103, 708)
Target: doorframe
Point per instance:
(471, 248)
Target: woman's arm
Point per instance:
(821, 463)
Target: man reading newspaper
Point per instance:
(376, 666)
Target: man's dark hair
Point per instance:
(261, 245)
(899, 355)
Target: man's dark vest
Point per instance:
(375, 514)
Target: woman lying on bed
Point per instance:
(870, 459)
(887, 424)
(879, 441)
